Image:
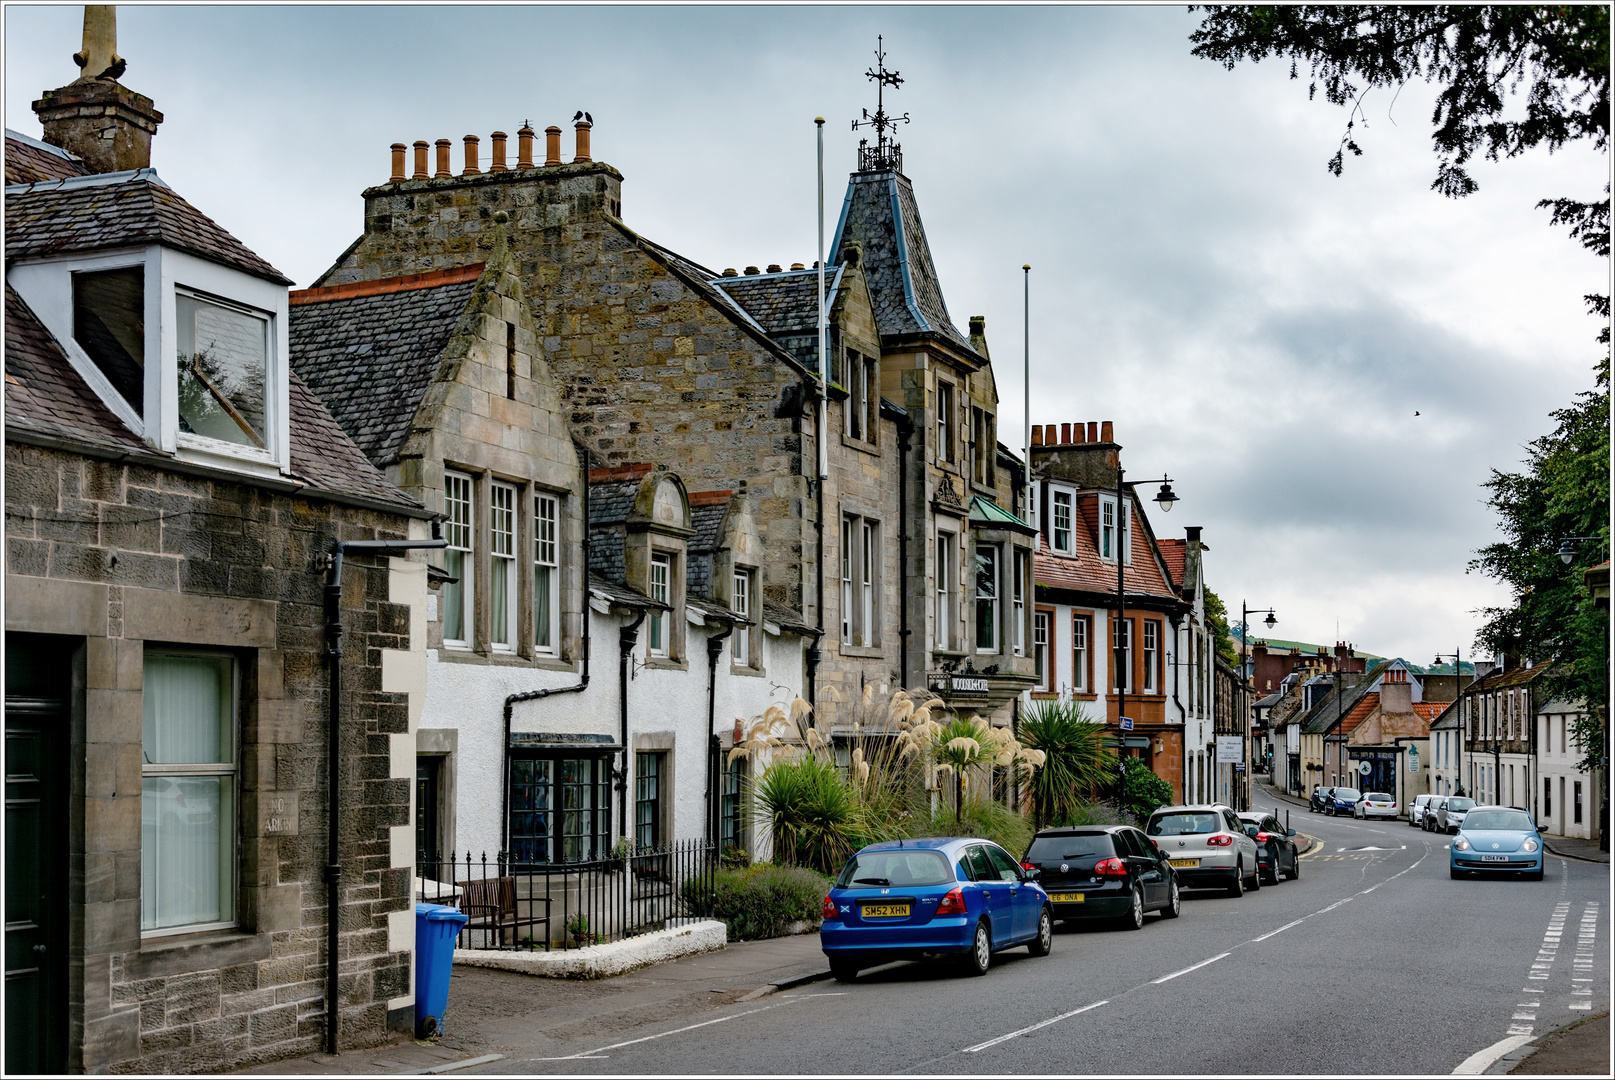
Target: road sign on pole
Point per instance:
(1127, 723)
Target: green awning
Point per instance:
(986, 514)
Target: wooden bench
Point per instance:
(490, 904)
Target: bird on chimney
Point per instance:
(99, 57)
(1415, 412)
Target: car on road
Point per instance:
(1343, 801)
(1497, 838)
(1375, 804)
(1432, 812)
(1276, 854)
(1450, 818)
(1416, 809)
(957, 896)
(1110, 872)
(1322, 799)
(1208, 847)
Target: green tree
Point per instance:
(1142, 791)
(1554, 57)
(1217, 619)
(1563, 491)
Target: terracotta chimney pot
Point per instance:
(499, 153)
(752, 270)
(730, 271)
(443, 166)
(1093, 431)
(552, 145)
(582, 129)
(420, 173)
(1065, 434)
(524, 147)
(398, 163)
(471, 169)
(1037, 434)
(798, 266)
(773, 268)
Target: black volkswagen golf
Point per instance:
(1103, 872)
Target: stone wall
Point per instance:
(116, 556)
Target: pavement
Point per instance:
(1580, 1049)
(492, 1014)
(1574, 847)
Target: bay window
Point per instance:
(546, 576)
(986, 598)
(1018, 613)
(502, 567)
(560, 808)
(945, 617)
(188, 793)
(459, 603)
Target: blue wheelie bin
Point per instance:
(436, 927)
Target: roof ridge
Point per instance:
(454, 275)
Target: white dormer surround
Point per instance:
(241, 317)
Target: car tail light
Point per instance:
(1264, 837)
(1110, 868)
(1028, 866)
(952, 904)
(829, 907)
(1220, 840)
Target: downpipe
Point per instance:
(714, 650)
(627, 637)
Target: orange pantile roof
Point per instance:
(1174, 552)
(1430, 709)
(1360, 712)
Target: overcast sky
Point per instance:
(1257, 328)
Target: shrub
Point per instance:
(762, 900)
(1097, 813)
(811, 812)
(1142, 791)
(979, 817)
(1077, 758)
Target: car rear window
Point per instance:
(1076, 846)
(1460, 804)
(1184, 824)
(1510, 820)
(1378, 796)
(894, 869)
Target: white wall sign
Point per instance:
(1230, 749)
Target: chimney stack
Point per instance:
(524, 147)
(1192, 533)
(498, 153)
(552, 145)
(443, 166)
(420, 173)
(95, 117)
(582, 129)
(471, 169)
(398, 163)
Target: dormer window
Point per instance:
(223, 371)
(1060, 534)
(109, 324)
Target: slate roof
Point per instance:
(112, 210)
(786, 618)
(782, 303)
(610, 502)
(46, 397)
(1085, 572)
(621, 594)
(371, 357)
(28, 160)
(605, 554)
(880, 213)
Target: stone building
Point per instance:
(170, 795)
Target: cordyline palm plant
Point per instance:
(1077, 759)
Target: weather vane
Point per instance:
(886, 153)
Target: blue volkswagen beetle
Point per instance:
(904, 899)
(1497, 838)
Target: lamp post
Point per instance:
(1245, 612)
(1120, 650)
(1458, 700)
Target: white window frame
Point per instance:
(657, 643)
(944, 421)
(740, 604)
(868, 552)
(1033, 493)
(1152, 651)
(846, 578)
(1018, 600)
(1081, 628)
(1062, 500)
(1042, 654)
(546, 574)
(1127, 532)
(946, 546)
(230, 831)
(460, 531)
(1107, 528)
(502, 505)
(991, 554)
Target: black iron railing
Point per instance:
(513, 905)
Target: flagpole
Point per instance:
(824, 370)
(1026, 373)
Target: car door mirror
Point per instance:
(1289, 832)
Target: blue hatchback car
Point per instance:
(1497, 838)
(904, 899)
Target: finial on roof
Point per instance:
(886, 154)
(100, 59)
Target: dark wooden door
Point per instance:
(37, 688)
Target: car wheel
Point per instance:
(980, 956)
(1273, 873)
(1295, 868)
(1236, 888)
(1134, 919)
(1044, 942)
(842, 969)
(1174, 903)
(1255, 882)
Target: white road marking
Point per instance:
(1034, 1027)
(1478, 1062)
(1193, 967)
(599, 1052)
(1281, 929)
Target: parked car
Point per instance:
(1114, 872)
(1432, 813)
(1344, 800)
(1451, 816)
(1208, 847)
(1276, 854)
(1496, 838)
(904, 899)
(1375, 804)
(1322, 799)
(1416, 809)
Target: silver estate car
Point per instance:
(1207, 846)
